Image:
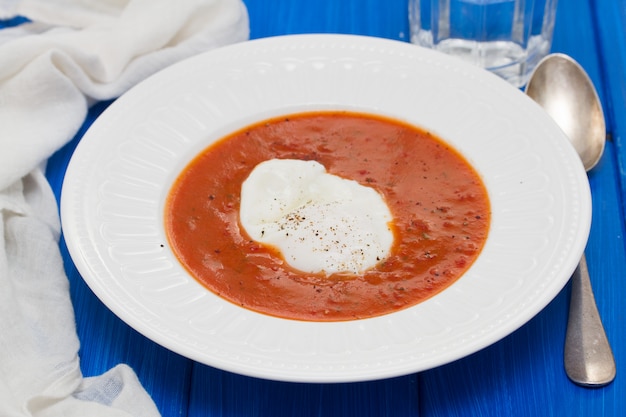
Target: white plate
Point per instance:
(116, 183)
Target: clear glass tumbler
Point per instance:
(506, 37)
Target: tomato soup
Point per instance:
(440, 210)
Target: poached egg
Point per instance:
(319, 222)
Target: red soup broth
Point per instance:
(440, 209)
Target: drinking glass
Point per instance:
(506, 37)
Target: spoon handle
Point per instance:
(588, 357)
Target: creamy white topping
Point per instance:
(318, 221)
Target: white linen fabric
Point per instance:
(74, 53)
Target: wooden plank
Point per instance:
(219, 393)
(388, 19)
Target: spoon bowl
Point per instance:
(564, 90)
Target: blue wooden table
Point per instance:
(522, 375)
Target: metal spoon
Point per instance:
(563, 88)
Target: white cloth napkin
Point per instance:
(74, 53)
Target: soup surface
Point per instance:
(439, 205)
